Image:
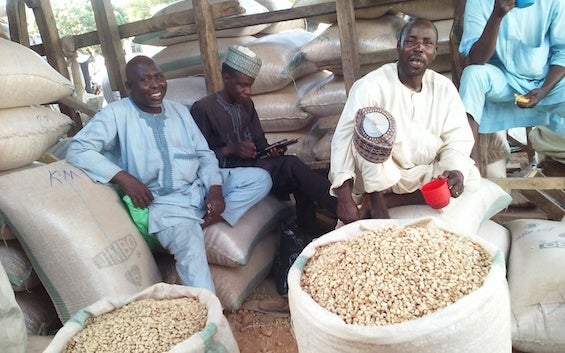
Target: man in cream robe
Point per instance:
(433, 138)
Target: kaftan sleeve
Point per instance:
(474, 22)
(255, 127)
(557, 34)
(87, 147)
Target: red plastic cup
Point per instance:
(436, 193)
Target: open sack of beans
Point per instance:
(393, 286)
(161, 318)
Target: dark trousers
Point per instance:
(310, 189)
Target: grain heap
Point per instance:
(142, 326)
(394, 274)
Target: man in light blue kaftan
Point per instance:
(154, 151)
(514, 51)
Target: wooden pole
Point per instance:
(17, 22)
(111, 45)
(348, 42)
(208, 46)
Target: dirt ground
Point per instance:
(258, 331)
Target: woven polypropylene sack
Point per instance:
(478, 322)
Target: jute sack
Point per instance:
(215, 337)
(279, 111)
(234, 284)
(20, 272)
(27, 132)
(430, 9)
(39, 313)
(536, 277)
(232, 246)
(26, 79)
(174, 35)
(372, 36)
(280, 65)
(184, 59)
(322, 150)
(186, 90)
(477, 322)
(77, 235)
(13, 335)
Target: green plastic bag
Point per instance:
(140, 217)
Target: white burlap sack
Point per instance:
(39, 313)
(13, 333)
(174, 35)
(497, 235)
(276, 5)
(280, 65)
(27, 132)
(372, 36)
(465, 213)
(184, 59)
(186, 90)
(328, 98)
(279, 111)
(307, 137)
(431, 9)
(477, 323)
(536, 277)
(77, 235)
(26, 79)
(322, 150)
(18, 267)
(233, 246)
(234, 284)
(215, 337)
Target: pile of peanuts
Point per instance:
(394, 274)
(147, 325)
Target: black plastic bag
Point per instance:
(292, 242)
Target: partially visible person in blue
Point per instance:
(154, 151)
(514, 51)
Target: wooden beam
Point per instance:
(75, 104)
(527, 183)
(111, 45)
(208, 45)
(152, 24)
(17, 22)
(348, 42)
(554, 209)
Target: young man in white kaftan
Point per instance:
(514, 51)
(433, 138)
(153, 150)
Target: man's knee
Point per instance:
(476, 75)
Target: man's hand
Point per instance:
(215, 204)
(140, 195)
(533, 97)
(276, 152)
(347, 210)
(454, 182)
(502, 7)
(245, 149)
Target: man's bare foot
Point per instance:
(210, 219)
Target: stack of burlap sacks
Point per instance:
(294, 94)
(28, 129)
(66, 241)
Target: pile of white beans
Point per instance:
(146, 325)
(394, 274)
